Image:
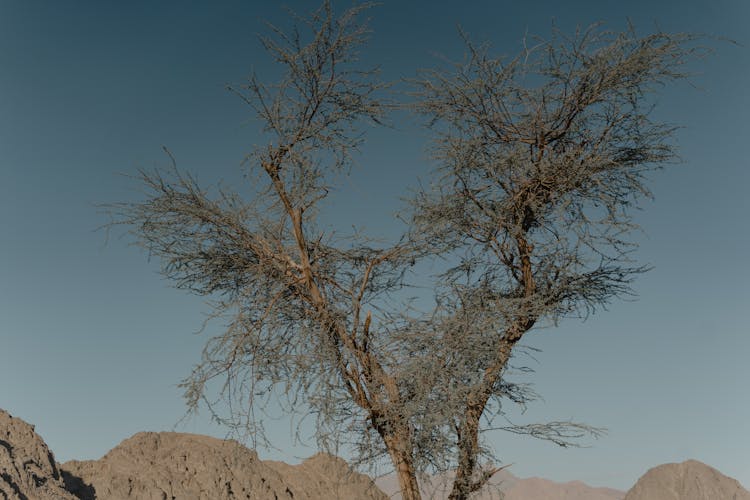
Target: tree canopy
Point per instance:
(539, 162)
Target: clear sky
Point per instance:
(93, 341)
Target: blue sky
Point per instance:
(93, 341)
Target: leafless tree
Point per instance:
(540, 157)
(541, 161)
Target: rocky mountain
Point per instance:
(179, 466)
(171, 465)
(168, 466)
(689, 480)
(27, 467)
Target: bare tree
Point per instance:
(540, 157)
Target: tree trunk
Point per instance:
(407, 481)
(401, 457)
(463, 484)
(468, 432)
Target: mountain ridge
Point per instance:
(183, 466)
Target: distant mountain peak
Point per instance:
(689, 480)
(508, 487)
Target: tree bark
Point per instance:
(401, 457)
(467, 446)
(468, 430)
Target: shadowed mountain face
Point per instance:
(27, 467)
(690, 480)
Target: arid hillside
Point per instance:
(180, 466)
(168, 465)
(27, 466)
(689, 480)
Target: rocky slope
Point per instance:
(27, 467)
(170, 465)
(690, 480)
(178, 466)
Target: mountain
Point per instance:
(168, 466)
(172, 465)
(506, 486)
(180, 466)
(27, 467)
(689, 480)
(544, 489)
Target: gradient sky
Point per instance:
(93, 341)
